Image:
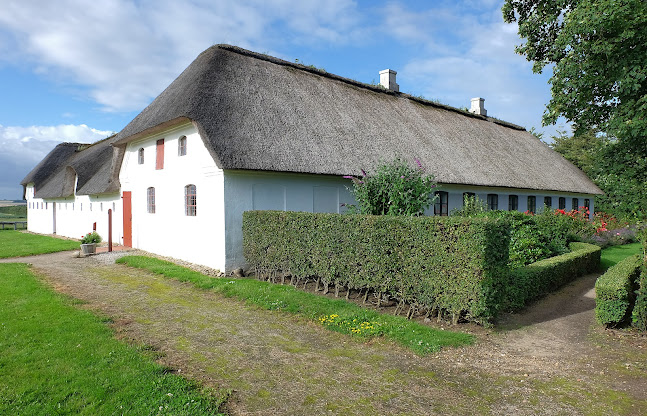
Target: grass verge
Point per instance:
(615, 254)
(56, 359)
(335, 314)
(17, 244)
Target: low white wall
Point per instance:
(75, 216)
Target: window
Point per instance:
(493, 202)
(513, 203)
(587, 204)
(151, 200)
(181, 146)
(576, 204)
(190, 200)
(466, 195)
(159, 160)
(532, 204)
(548, 201)
(140, 156)
(562, 202)
(441, 204)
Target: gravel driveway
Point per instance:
(552, 359)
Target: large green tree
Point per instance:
(599, 52)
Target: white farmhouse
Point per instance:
(241, 131)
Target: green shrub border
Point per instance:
(614, 292)
(639, 314)
(540, 278)
(441, 265)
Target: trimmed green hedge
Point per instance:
(447, 265)
(639, 314)
(537, 279)
(614, 291)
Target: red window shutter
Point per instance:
(159, 164)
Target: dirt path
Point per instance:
(549, 360)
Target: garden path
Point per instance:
(551, 359)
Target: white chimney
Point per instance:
(478, 106)
(387, 80)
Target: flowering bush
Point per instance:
(395, 189)
(91, 238)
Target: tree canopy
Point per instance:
(599, 52)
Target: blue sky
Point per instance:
(77, 70)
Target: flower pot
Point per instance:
(88, 248)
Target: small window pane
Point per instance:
(532, 204)
(181, 146)
(190, 207)
(140, 156)
(562, 202)
(441, 204)
(493, 202)
(513, 203)
(151, 200)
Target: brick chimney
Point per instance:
(478, 106)
(387, 80)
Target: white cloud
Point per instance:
(127, 51)
(24, 147)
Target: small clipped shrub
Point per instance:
(614, 292)
(639, 314)
(537, 279)
(395, 189)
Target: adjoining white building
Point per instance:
(241, 131)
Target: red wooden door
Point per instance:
(128, 219)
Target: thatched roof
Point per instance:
(55, 175)
(256, 112)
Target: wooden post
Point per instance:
(109, 230)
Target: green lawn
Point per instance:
(58, 359)
(614, 254)
(335, 314)
(18, 244)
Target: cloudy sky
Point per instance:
(78, 70)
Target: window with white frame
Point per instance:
(181, 146)
(150, 198)
(190, 206)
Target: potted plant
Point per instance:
(89, 242)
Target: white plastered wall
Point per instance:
(169, 231)
(75, 216)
